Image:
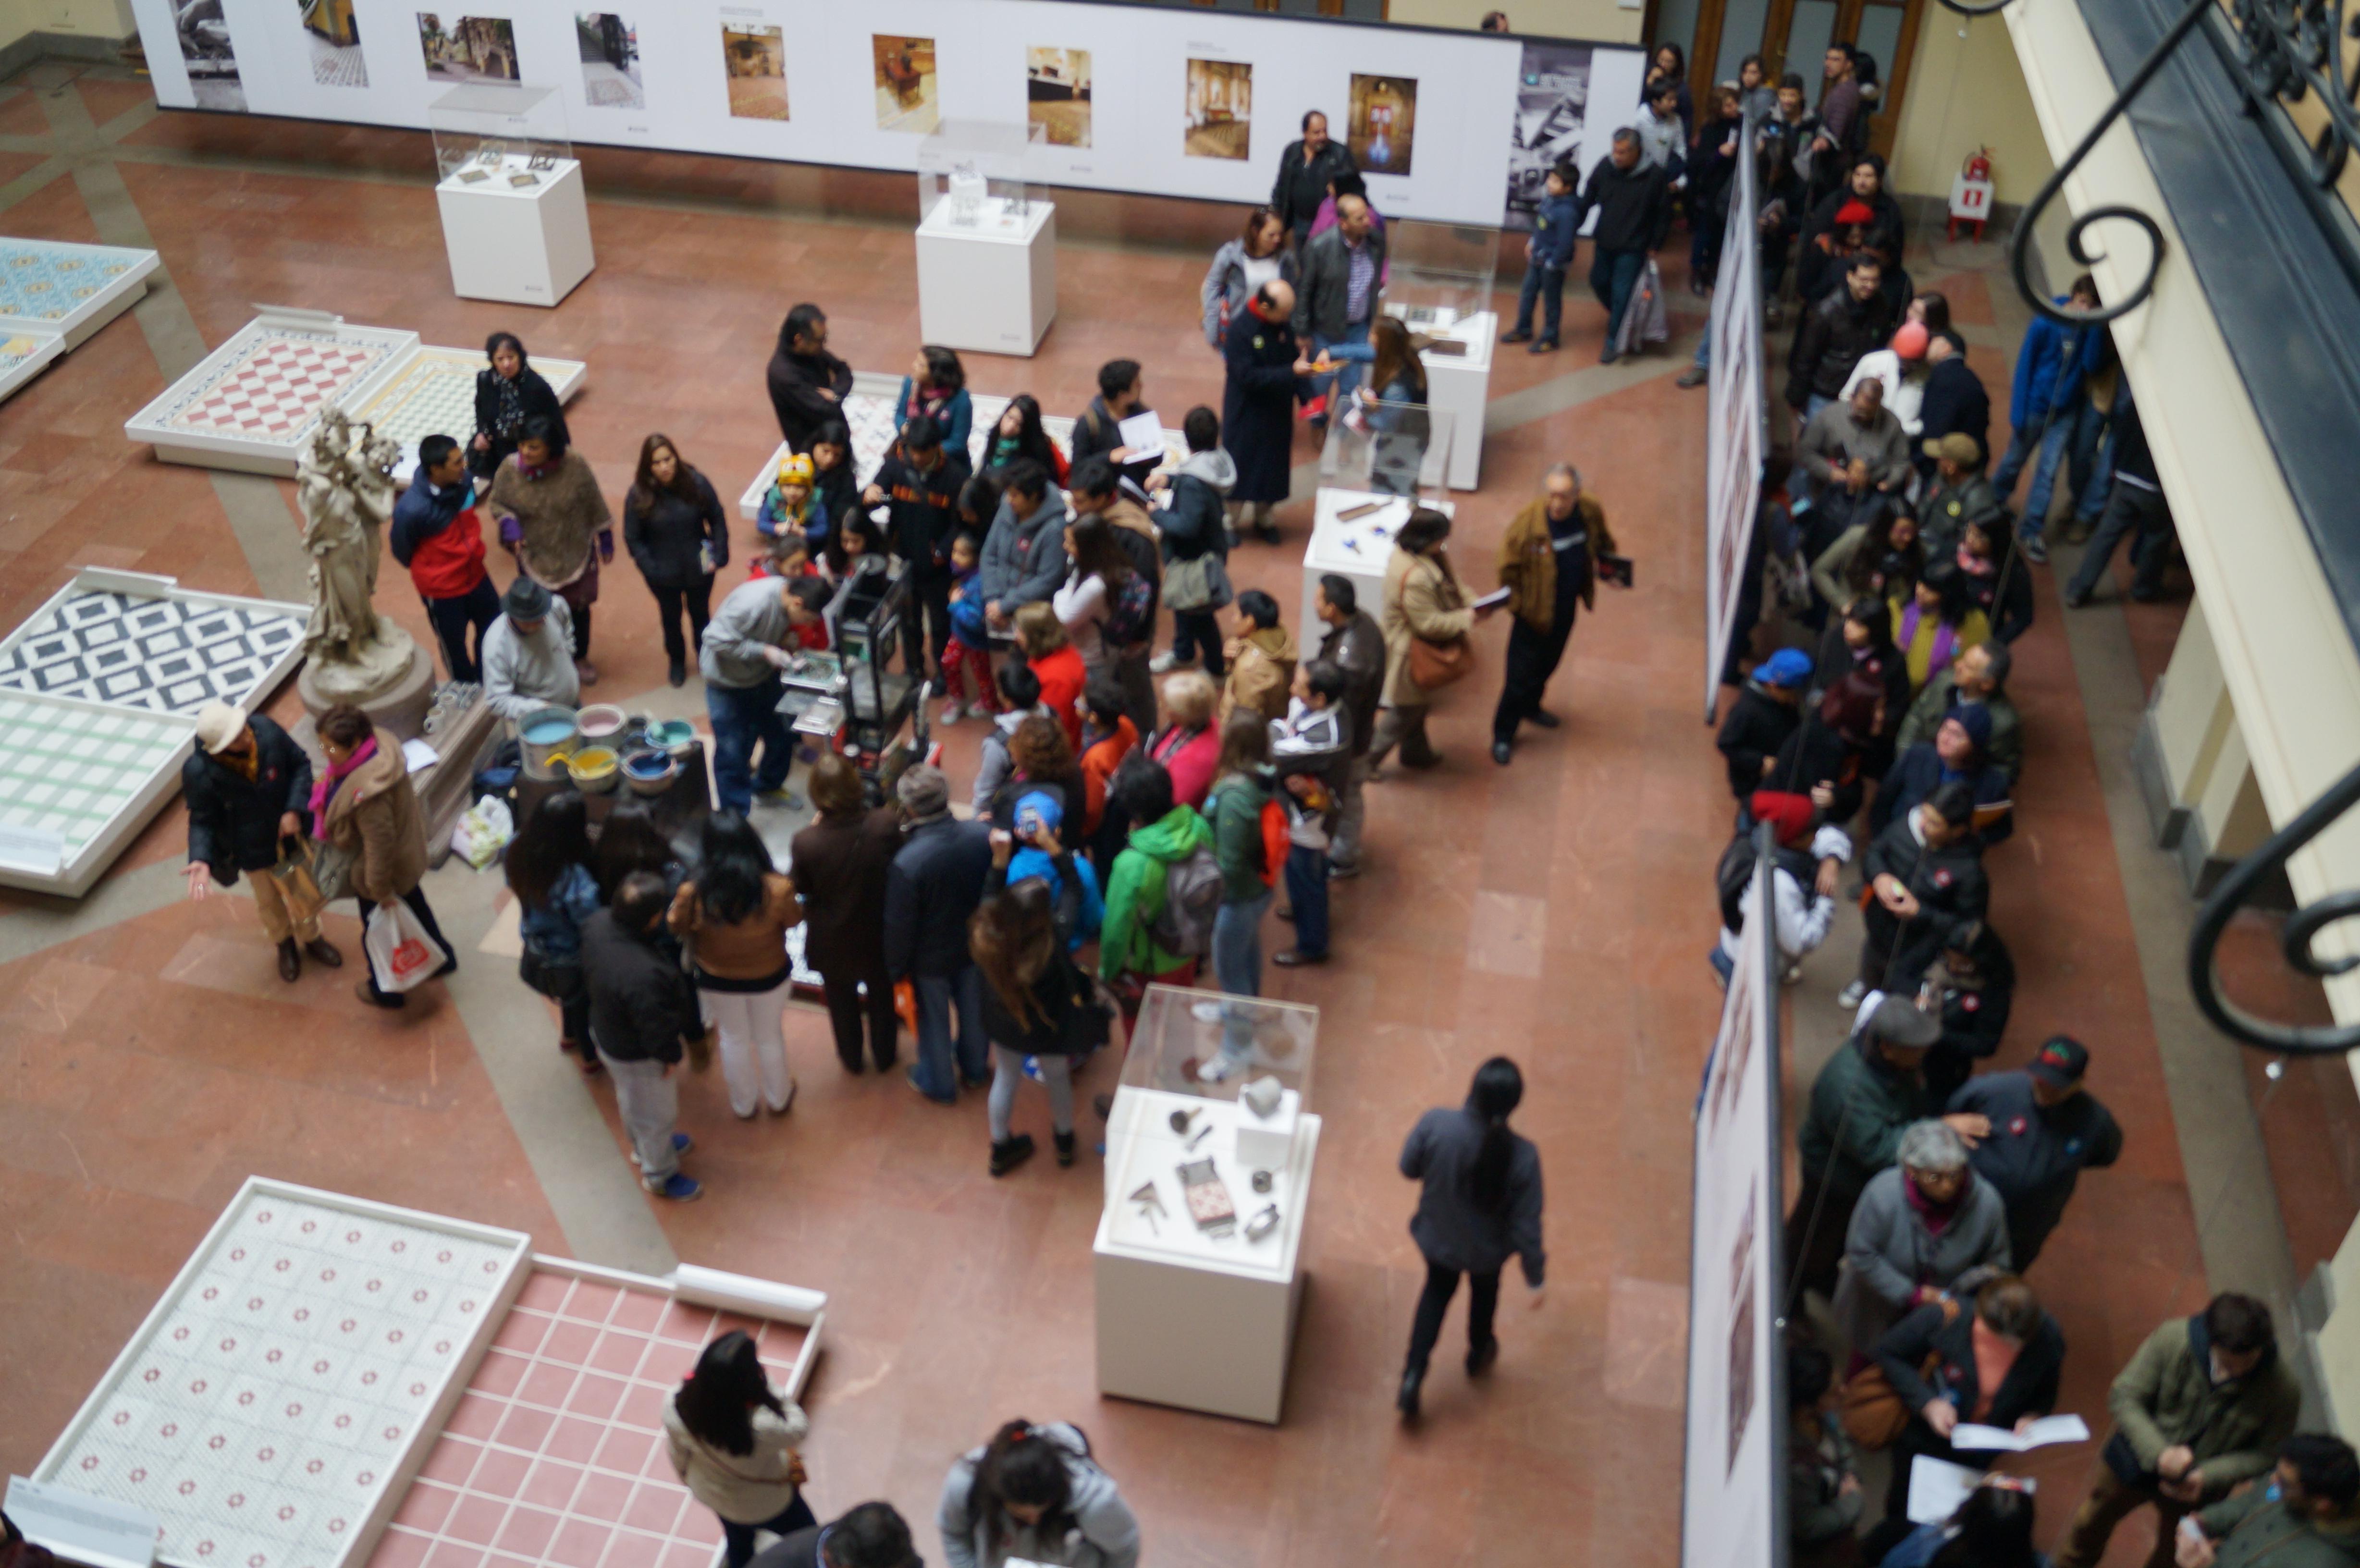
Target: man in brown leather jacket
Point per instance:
(1548, 563)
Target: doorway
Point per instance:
(1794, 35)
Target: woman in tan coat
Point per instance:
(735, 913)
(1424, 601)
(364, 806)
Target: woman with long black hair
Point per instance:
(1018, 435)
(508, 391)
(735, 914)
(1481, 1205)
(733, 1445)
(1036, 1003)
(549, 870)
(1033, 1493)
(679, 537)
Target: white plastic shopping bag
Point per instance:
(483, 830)
(400, 953)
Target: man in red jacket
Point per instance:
(437, 535)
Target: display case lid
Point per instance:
(1001, 149)
(976, 180)
(1391, 449)
(1439, 276)
(1180, 1036)
(487, 127)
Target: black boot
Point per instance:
(1480, 1357)
(1064, 1148)
(1407, 1400)
(1007, 1156)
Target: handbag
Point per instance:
(1434, 665)
(1202, 583)
(559, 979)
(329, 869)
(1087, 1024)
(1873, 1411)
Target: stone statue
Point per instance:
(344, 483)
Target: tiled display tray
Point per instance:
(125, 755)
(533, 1435)
(72, 289)
(868, 414)
(25, 353)
(432, 391)
(278, 371)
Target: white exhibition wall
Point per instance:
(1734, 428)
(1465, 100)
(1733, 1488)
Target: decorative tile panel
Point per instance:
(165, 655)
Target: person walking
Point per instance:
(749, 641)
(932, 888)
(1264, 369)
(1424, 604)
(1259, 255)
(1250, 867)
(2203, 1404)
(1034, 1494)
(1632, 199)
(364, 806)
(1548, 563)
(678, 538)
(548, 867)
(1479, 1205)
(733, 915)
(553, 519)
(2035, 1130)
(248, 787)
(732, 1442)
(1922, 1223)
(1036, 1004)
(1304, 169)
(438, 536)
(644, 1012)
(840, 862)
(1355, 644)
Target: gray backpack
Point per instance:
(1192, 896)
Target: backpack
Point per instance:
(1192, 896)
(1277, 838)
(1130, 618)
(1732, 876)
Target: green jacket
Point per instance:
(1933, 705)
(2253, 1531)
(1134, 894)
(2166, 1396)
(1859, 1105)
(1235, 805)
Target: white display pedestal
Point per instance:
(991, 288)
(525, 245)
(1186, 1319)
(1462, 384)
(1357, 549)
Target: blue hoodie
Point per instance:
(2051, 366)
(1030, 862)
(1555, 229)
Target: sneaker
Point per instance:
(1032, 1068)
(1316, 410)
(781, 797)
(680, 1189)
(952, 713)
(1517, 335)
(681, 1144)
(1543, 345)
(1694, 375)
(2036, 550)
(1852, 995)
(1007, 1156)
(910, 1076)
(1164, 664)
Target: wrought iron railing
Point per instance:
(2298, 940)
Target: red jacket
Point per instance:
(441, 545)
(1062, 676)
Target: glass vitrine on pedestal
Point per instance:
(515, 222)
(1209, 1155)
(987, 237)
(1441, 288)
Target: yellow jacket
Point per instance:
(1261, 675)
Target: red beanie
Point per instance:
(1789, 816)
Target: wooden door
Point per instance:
(1794, 35)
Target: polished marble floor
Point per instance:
(1554, 909)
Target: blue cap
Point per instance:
(1044, 805)
(1787, 667)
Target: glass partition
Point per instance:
(1439, 275)
(1184, 1036)
(975, 177)
(1385, 448)
(487, 133)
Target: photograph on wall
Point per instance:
(756, 58)
(1383, 123)
(471, 48)
(1741, 1329)
(211, 59)
(906, 91)
(336, 38)
(1220, 109)
(1057, 95)
(1552, 98)
(609, 47)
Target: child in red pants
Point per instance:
(970, 645)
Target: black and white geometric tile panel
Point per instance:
(164, 655)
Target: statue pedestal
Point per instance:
(398, 705)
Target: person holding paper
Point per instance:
(1994, 1362)
(1263, 366)
(1921, 1226)
(1548, 563)
(1107, 428)
(1991, 1528)
(2308, 1517)
(2203, 1404)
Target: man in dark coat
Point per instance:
(1765, 713)
(1633, 202)
(1355, 644)
(918, 485)
(934, 885)
(1264, 365)
(1303, 171)
(840, 862)
(1954, 403)
(248, 786)
(1926, 874)
(1832, 335)
(2040, 1130)
(871, 1535)
(1869, 1092)
(808, 385)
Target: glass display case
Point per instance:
(976, 179)
(498, 135)
(1387, 448)
(1440, 276)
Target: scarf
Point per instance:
(1946, 637)
(508, 411)
(534, 470)
(326, 790)
(1936, 1217)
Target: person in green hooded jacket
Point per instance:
(2306, 1516)
(1129, 958)
(1240, 789)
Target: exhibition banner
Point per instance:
(1446, 124)
(1735, 415)
(1733, 1496)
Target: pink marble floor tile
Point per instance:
(453, 1460)
(523, 1332)
(401, 1548)
(551, 1485)
(548, 1384)
(619, 1352)
(655, 1507)
(574, 1439)
(692, 1325)
(569, 1342)
(526, 1428)
(544, 1291)
(500, 1373)
(591, 1302)
(639, 1311)
(500, 1474)
(528, 1531)
(426, 1507)
(626, 1452)
(476, 1519)
(579, 1543)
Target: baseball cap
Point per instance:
(2060, 1062)
(218, 724)
(1789, 667)
(1897, 1021)
(1958, 447)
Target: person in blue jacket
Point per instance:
(2051, 409)
(936, 387)
(1547, 254)
(1959, 753)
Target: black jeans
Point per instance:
(930, 592)
(1441, 1284)
(696, 598)
(452, 617)
(1532, 657)
(415, 899)
(741, 1537)
(2140, 514)
(1196, 632)
(846, 1007)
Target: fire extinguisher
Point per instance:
(1978, 165)
(1975, 171)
